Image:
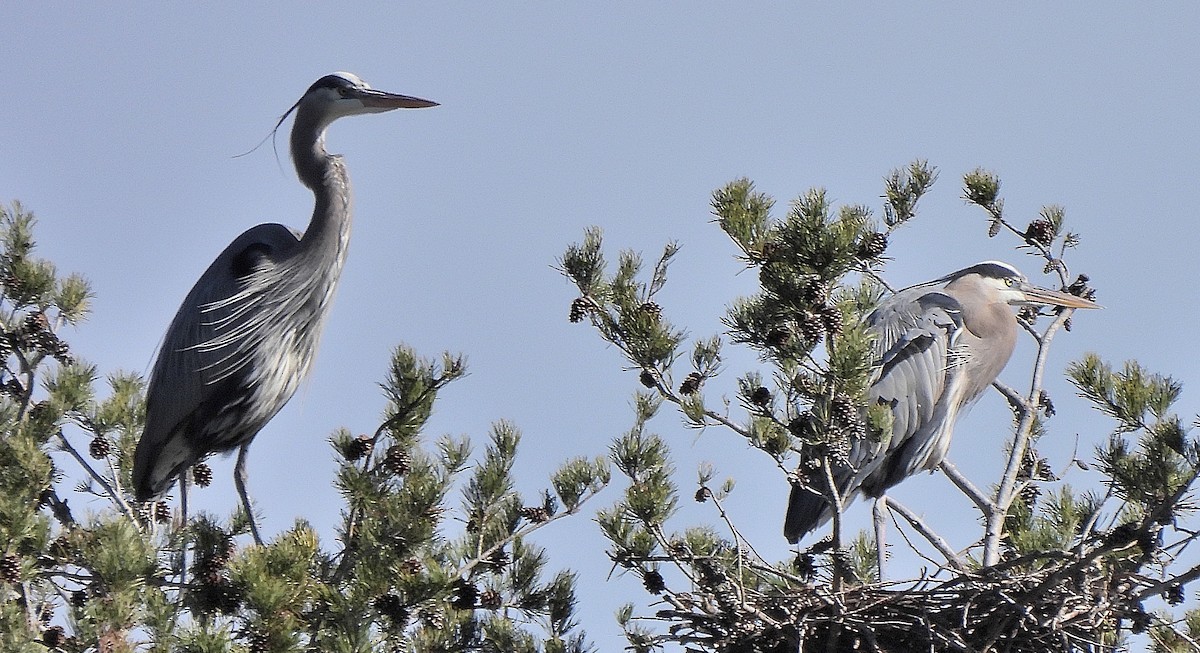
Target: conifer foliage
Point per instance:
(404, 573)
(1052, 569)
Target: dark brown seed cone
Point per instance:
(162, 512)
(390, 605)
(54, 637)
(841, 409)
(812, 327)
(1040, 232)
(202, 474)
(490, 600)
(873, 245)
(816, 292)
(432, 618)
(1046, 404)
(778, 337)
(653, 580)
(831, 319)
(1028, 314)
(411, 566)
(535, 514)
(99, 448)
(702, 494)
(760, 397)
(358, 447)
(498, 560)
(1174, 594)
(397, 460)
(646, 378)
(580, 308)
(691, 384)
(79, 598)
(257, 641)
(1079, 287)
(651, 309)
(465, 596)
(1029, 495)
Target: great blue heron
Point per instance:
(938, 346)
(245, 335)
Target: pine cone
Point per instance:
(812, 326)
(1028, 314)
(994, 228)
(761, 397)
(99, 447)
(162, 512)
(490, 600)
(1040, 232)
(650, 309)
(358, 447)
(257, 641)
(498, 560)
(432, 618)
(841, 410)
(398, 460)
(831, 319)
(702, 494)
(411, 566)
(202, 474)
(778, 337)
(1045, 403)
(691, 384)
(654, 582)
(79, 598)
(1079, 287)
(581, 308)
(647, 379)
(816, 292)
(54, 637)
(536, 514)
(873, 245)
(390, 606)
(465, 595)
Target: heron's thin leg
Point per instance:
(880, 515)
(184, 480)
(239, 480)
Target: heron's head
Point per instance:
(1006, 284)
(346, 94)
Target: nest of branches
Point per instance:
(1049, 602)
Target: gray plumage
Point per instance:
(938, 346)
(245, 335)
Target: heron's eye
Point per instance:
(1010, 282)
(343, 91)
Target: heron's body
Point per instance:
(938, 347)
(245, 336)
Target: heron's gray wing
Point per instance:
(916, 332)
(205, 347)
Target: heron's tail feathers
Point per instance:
(808, 510)
(155, 470)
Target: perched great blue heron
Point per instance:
(938, 346)
(246, 333)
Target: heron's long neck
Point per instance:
(328, 233)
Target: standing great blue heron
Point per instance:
(245, 335)
(938, 346)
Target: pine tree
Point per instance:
(1054, 569)
(403, 576)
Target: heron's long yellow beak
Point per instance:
(384, 100)
(1036, 295)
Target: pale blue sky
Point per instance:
(121, 120)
